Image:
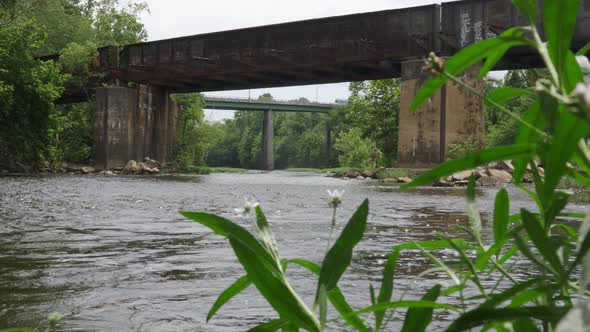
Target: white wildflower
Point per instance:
(249, 206)
(583, 92)
(335, 197)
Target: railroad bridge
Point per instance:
(135, 116)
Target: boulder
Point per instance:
(390, 181)
(443, 183)
(145, 169)
(461, 183)
(501, 175)
(106, 173)
(461, 176)
(504, 166)
(488, 181)
(541, 171)
(131, 168)
(352, 174)
(151, 163)
(87, 170)
(360, 177)
(404, 180)
(371, 173)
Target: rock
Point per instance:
(404, 180)
(107, 173)
(461, 183)
(145, 169)
(501, 175)
(461, 176)
(390, 181)
(131, 168)
(371, 173)
(443, 183)
(504, 166)
(488, 181)
(541, 171)
(360, 177)
(87, 170)
(151, 163)
(352, 174)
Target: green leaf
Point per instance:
(584, 64)
(274, 287)
(336, 298)
(473, 160)
(541, 240)
(431, 245)
(501, 216)
(440, 264)
(584, 50)
(559, 18)
(418, 319)
(339, 256)
(236, 288)
(227, 228)
(404, 304)
(503, 96)
(526, 135)
(528, 8)
(268, 239)
(271, 326)
(386, 290)
(508, 294)
(572, 72)
(568, 132)
(472, 211)
(480, 316)
(466, 58)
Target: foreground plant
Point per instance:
(552, 132)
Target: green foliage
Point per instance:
(374, 108)
(77, 58)
(355, 151)
(28, 88)
(192, 136)
(458, 150)
(553, 130)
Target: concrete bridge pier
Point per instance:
(133, 123)
(268, 162)
(452, 116)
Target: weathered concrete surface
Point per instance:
(267, 142)
(133, 123)
(451, 116)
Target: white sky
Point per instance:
(174, 18)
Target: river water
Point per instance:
(113, 254)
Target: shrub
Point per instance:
(355, 151)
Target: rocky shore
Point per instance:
(492, 175)
(147, 167)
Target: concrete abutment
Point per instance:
(451, 116)
(133, 123)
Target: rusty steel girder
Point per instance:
(354, 47)
(344, 48)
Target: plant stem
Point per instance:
(331, 229)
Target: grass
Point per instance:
(203, 170)
(320, 170)
(389, 173)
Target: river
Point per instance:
(113, 254)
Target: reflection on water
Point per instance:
(112, 254)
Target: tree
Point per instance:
(374, 108)
(28, 88)
(355, 151)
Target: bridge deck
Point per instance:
(238, 104)
(354, 47)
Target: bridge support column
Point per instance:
(268, 162)
(452, 116)
(131, 124)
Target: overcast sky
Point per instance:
(174, 18)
